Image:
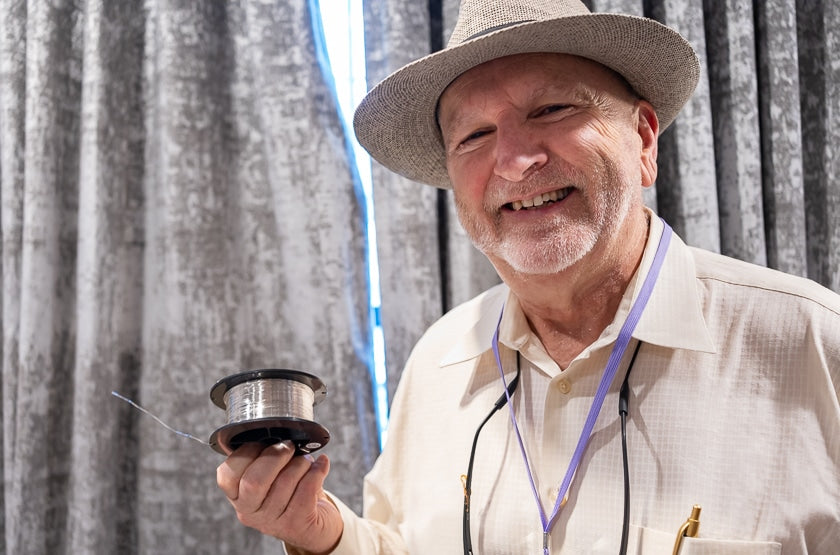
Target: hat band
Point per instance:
(497, 27)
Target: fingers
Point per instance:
(310, 488)
(281, 495)
(267, 489)
(230, 471)
(309, 520)
(265, 479)
(294, 496)
(249, 462)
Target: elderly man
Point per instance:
(544, 118)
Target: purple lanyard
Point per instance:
(616, 355)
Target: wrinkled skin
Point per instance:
(531, 127)
(281, 495)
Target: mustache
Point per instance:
(552, 176)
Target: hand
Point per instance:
(282, 495)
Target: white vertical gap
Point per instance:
(343, 25)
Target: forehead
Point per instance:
(529, 74)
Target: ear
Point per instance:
(648, 129)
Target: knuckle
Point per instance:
(223, 474)
(250, 520)
(227, 484)
(272, 525)
(250, 488)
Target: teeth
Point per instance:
(539, 200)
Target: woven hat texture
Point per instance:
(396, 124)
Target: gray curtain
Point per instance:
(177, 206)
(407, 228)
(750, 167)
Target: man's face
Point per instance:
(547, 157)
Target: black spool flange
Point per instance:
(307, 436)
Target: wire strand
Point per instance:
(159, 421)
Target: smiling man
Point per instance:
(548, 154)
(639, 377)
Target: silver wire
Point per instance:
(159, 421)
(268, 399)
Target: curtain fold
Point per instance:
(819, 88)
(178, 206)
(37, 384)
(191, 273)
(686, 186)
(102, 500)
(408, 223)
(730, 41)
(781, 132)
(12, 95)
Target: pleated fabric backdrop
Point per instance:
(750, 168)
(178, 206)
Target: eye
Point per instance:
(475, 135)
(550, 109)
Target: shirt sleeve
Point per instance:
(361, 536)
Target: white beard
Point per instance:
(559, 242)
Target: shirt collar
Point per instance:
(673, 317)
(481, 325)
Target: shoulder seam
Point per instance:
(771, 290)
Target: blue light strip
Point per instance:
(341, 52)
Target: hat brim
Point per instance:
(396, 124)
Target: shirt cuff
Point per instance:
(360, 536)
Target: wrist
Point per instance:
(329, 544)
(294, 550)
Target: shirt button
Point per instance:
(564, 385)
(552, 496)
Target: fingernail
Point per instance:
(310, 458)
(282, 446)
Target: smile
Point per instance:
(539, 200)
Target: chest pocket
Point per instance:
(647, 541)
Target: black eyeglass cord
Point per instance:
(502, 401)
(623, 404)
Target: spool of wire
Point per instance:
(269, 406)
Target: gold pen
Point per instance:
(690, 528)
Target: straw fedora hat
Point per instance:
(396, 123)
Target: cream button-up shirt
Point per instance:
(733, 407)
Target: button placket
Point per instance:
(564, 386)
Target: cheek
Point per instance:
(468, 179)
(579, 147)
(466, 199)
(593, 145)
(592, 140)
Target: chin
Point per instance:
(542, 258)
(540, 267)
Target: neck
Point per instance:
(570, 309)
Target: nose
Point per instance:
(518, 152)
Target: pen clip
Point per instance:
(690, 528)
